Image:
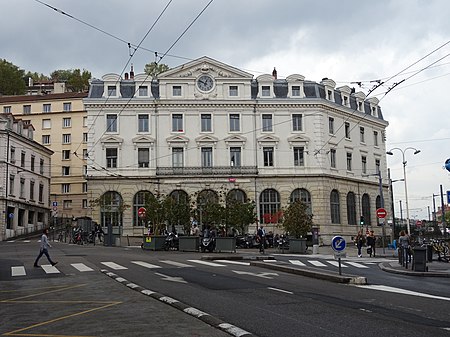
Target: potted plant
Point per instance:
(297, 222)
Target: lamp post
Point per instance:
(416, 151)
(391, 181)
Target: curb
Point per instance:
(349, 279)
(384, 266)
(201, 315)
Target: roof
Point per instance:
(48, 97)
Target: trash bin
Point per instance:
(429, 253)
(420, 259)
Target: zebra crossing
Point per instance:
(327, 263)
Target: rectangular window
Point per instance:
(333, 158)
(85, 154)
(65, 154)
(361, 134)
(235, 156)
(85, 170)
(331, 125)
(85, 203)
(41, 166)
(177, 123)
(66, 138)
(66, 170)
(85, 122)
(265, 90)
(364, 164)
(11, 184)
(143, 123)
(267, 122)
(143, 157)
(22, 188)
(297, 122)
(7, 109)
(177, 157)
(112, 91)
(67, 106)
(268, 156)
(207, 157)
(143, 90)
(22, 159)
(176, 90)
(235, 123)
(31, 190)
(206, 123)
(375, 138)
(67, 122)
(299, 158)
(26, 109)
(65, 188)
(67, 204)
(46, 108)
(85, 187)
(111, 123)
(45, 139)
(377, 166)
(233, 90)
(347, 130)
(111, 157)
(85, 137)
(349, 161)
(12, 155)
(33, 160)
(295, 90)
(41, 192)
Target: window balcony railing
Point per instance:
(207, 171)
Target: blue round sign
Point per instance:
(447, 164)
(338, 243)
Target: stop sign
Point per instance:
(381, 213)
(141, 212)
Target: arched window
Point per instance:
(302, 195)
(269, 206)
(237, 194)
(140, 199)
(180, 196)
(366, 208)
(351, 208)
(335, 207)
(378, 202)
(204, 199)
(111, 208)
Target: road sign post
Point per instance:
(338, 244)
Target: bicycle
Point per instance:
(440, 247)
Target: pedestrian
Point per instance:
(99, 231)
(44, 249)
(371, 239)
(262, 238)
(359, 241)
(404, 243)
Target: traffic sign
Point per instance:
(54, 203)
(338, 243)
(141, 212)
(448, 197)
(381, 213)
(419, 223)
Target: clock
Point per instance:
(205, 83)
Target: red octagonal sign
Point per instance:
(381, 213)
(141, 212)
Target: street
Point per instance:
(257, 300)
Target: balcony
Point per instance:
(207, 171)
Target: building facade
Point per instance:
(25, 175)
(60, 123)
(206, 126)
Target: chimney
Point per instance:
(131, 72)
(274, 73)
(126, 76)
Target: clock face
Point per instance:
(205, 83)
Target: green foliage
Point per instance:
(11, 79)
(153, 68)
(76, 80)
(36, 77)
(296, 219)
(239, 214)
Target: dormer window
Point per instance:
(345, 100)
(360, 106)
(329, 95)
(176, 90)
(374, 111)
(112, 90)
(295, 90)
(265, 90)
(143, 90)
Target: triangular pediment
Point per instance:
(143, 139)
(206, 139)
(268, 139)
(235, 139)
(298, 139)
(111, 139)
(177, 139)
(205, 65)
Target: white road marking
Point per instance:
(234, 262)
(402, 291)
(207, 263)
(145, 264)
(356, 264)
(263, 275)
(336, 264)
(26, 241)
(297, 263)
(49, 269)
(317, 263)
(113, 265)
(171, 278)
(81, 267)
(18, 271)
(176, 264)
(281, 290)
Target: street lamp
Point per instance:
(416, 151)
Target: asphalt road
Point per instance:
(257, 300)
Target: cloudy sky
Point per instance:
(349, 41)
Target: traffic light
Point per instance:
(361, 221)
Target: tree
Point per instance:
(11, 79)
(296, 219)
(153, 69)
(239, 214)
(76, 80)
(36, 77)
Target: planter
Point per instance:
(226, 244)
(297, 246)
(189, 243)
(153, 242)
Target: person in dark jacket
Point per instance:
(359, 241)
(371, 239)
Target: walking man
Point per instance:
(262, 238)
(44, 249)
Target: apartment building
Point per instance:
(25, 176)
(60, 124)
(206, 126)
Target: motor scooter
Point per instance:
(208, 243)
(172, 242)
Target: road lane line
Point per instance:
(234, 262)
(18, 271)
(176, 264)
(402, 291)
(206, 263)
(113, 265)
(81, 267)
(317, 263)
(281, 290)
(297, 263)
(145, 264)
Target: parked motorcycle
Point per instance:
(208, 244)
(172, 242)
(282, 242)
